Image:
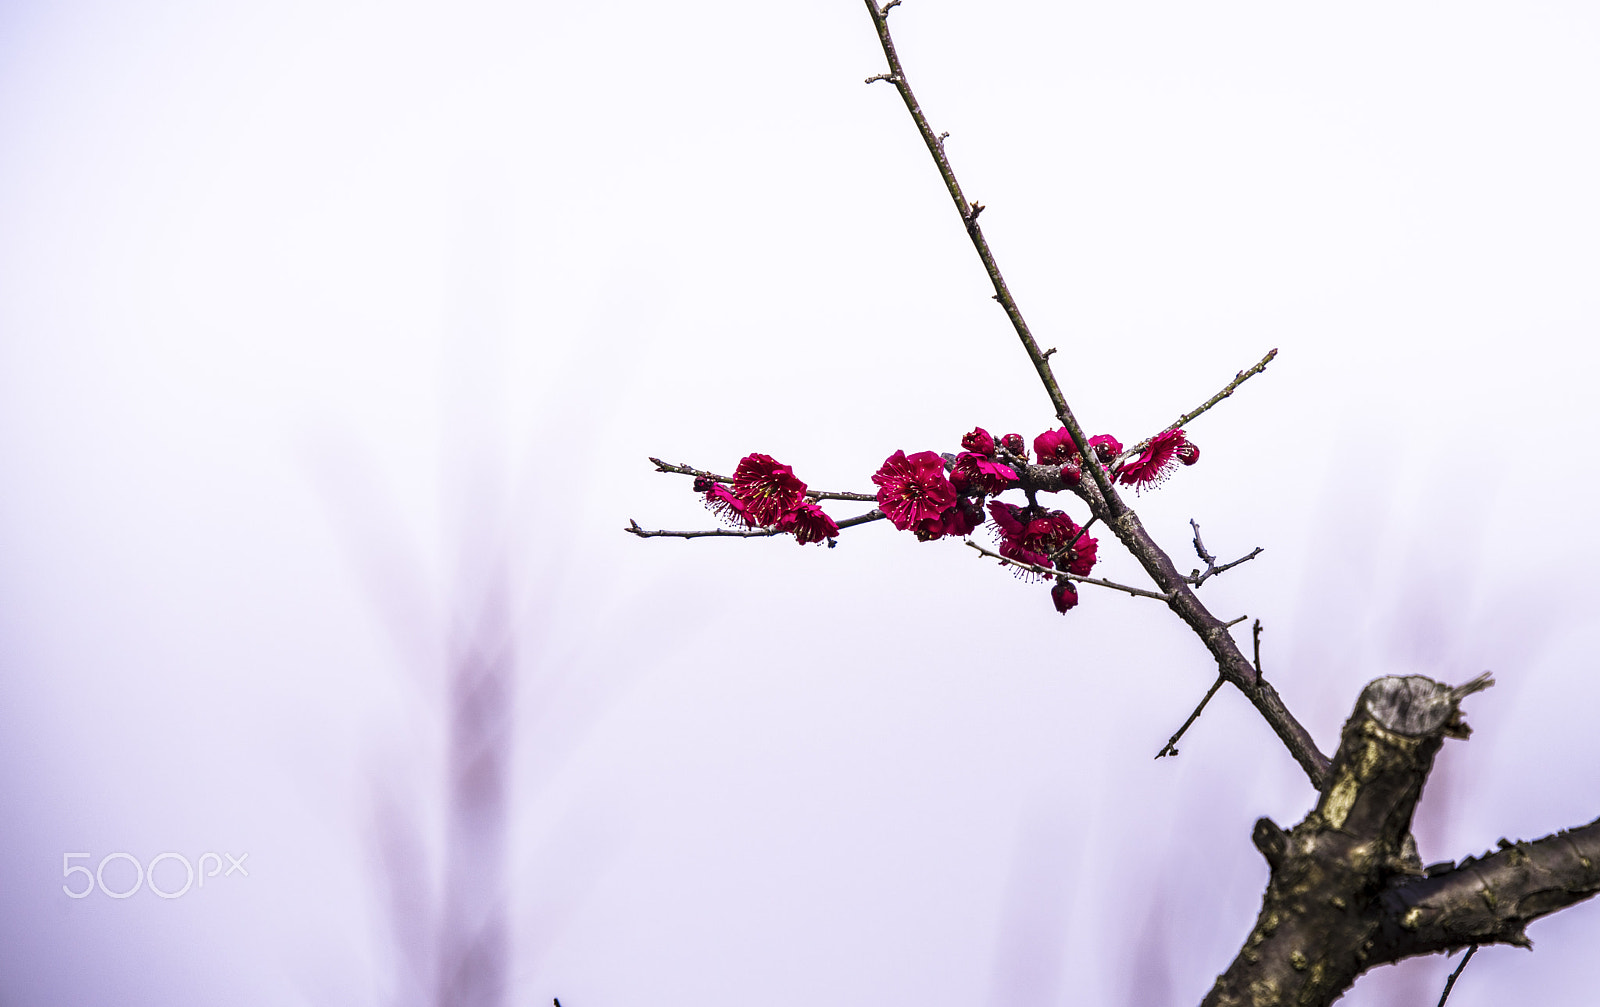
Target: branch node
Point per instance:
(1198, 577)
(1450, 983)
(1171, 747)
(1272, 841)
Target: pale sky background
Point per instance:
(313, 315)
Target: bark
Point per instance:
(1347, 890)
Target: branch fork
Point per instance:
(1348, 891)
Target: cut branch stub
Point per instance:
(1320, 919)
(1348, 890)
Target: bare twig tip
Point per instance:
(1451, 982)
(1171, 747)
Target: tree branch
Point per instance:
(1199, 577)
(1171, 747)
(1492, 899)
(689, 470)
(635, 529)
(1048, 572)
(969, 218)
(1348, 891)
(1450, 984)
(1098, 492)
(1238, 379)
(1231, 663)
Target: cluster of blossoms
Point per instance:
(1159, 456)
(933, 495)
(766, 494)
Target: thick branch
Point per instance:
(1348, 891)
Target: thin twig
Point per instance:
(1247, 557)
(1045, 571)
(1450, 983)
(1212, 569)
(1238, 379)
(969, 219)
(1255, 632)
(1200, 548)
(860, 519)
(1083, 531)
(689, 470)
(1170, 748)
(634, 529)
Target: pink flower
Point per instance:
(913, 489)
(769, 490)
(1010, 527)
(1072, 471)
(1080, 555)
(977, 475)
(1054, 447)
(1043, 538)
(721, 502)
(1161, 454)
(978, 442)
(1023, 537)
(1013, 443)
(809, 524)
(958, 520)
(1065, 595)
(1105, 447)
(1188, 453)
